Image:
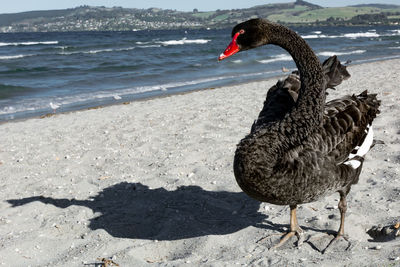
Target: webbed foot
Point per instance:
(294, 230)
(300, 238)
(335, 240)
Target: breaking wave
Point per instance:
(280, 57)
(29, 43)
(184, 41)
(353, 35)
(14, 57)
(330, 53)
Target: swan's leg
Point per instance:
(342, 208)
(294, 230)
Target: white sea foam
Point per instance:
(353, 35)
(361, 34)
(184, 41)
(109, 50)
(280, 57)
(63, 47)
(237, 61)
(13, 57)
(314, 36)
(125, 49)
(29, 43)
(148, 46)
(140, 43)
(97, 51)
(332, 53)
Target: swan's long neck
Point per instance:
(307, 115)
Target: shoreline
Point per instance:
(164, 94)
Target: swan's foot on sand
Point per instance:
(340, 234)
(294, 230)
(334, 240)
(300, 238)
(342, 208)
(286, 236)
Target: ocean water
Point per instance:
(76, 70)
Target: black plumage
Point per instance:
(283, 96)
(301, 148)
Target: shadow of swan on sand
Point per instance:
(133, 210)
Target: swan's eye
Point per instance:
(241, 31)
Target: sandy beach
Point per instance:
(151, 183)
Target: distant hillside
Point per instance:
(8, 19)
(381, 6)
(87, 18)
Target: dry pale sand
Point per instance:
(151, 183)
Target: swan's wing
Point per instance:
(347, 128)
(334, 72)
(335, 152)
(278, 102)
(283, 96)
(291, 84)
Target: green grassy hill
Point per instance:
(345, 13)
(301, 13)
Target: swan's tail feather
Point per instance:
(368, 106)
(371, 103)
(335, 73)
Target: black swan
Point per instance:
(300, 148)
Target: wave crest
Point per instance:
(331, 53)
(29, 43)
(13, 57)
(280, 57)
(361, 34)
(184, 41)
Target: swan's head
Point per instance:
(245, 36)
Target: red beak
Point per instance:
(232, 48)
